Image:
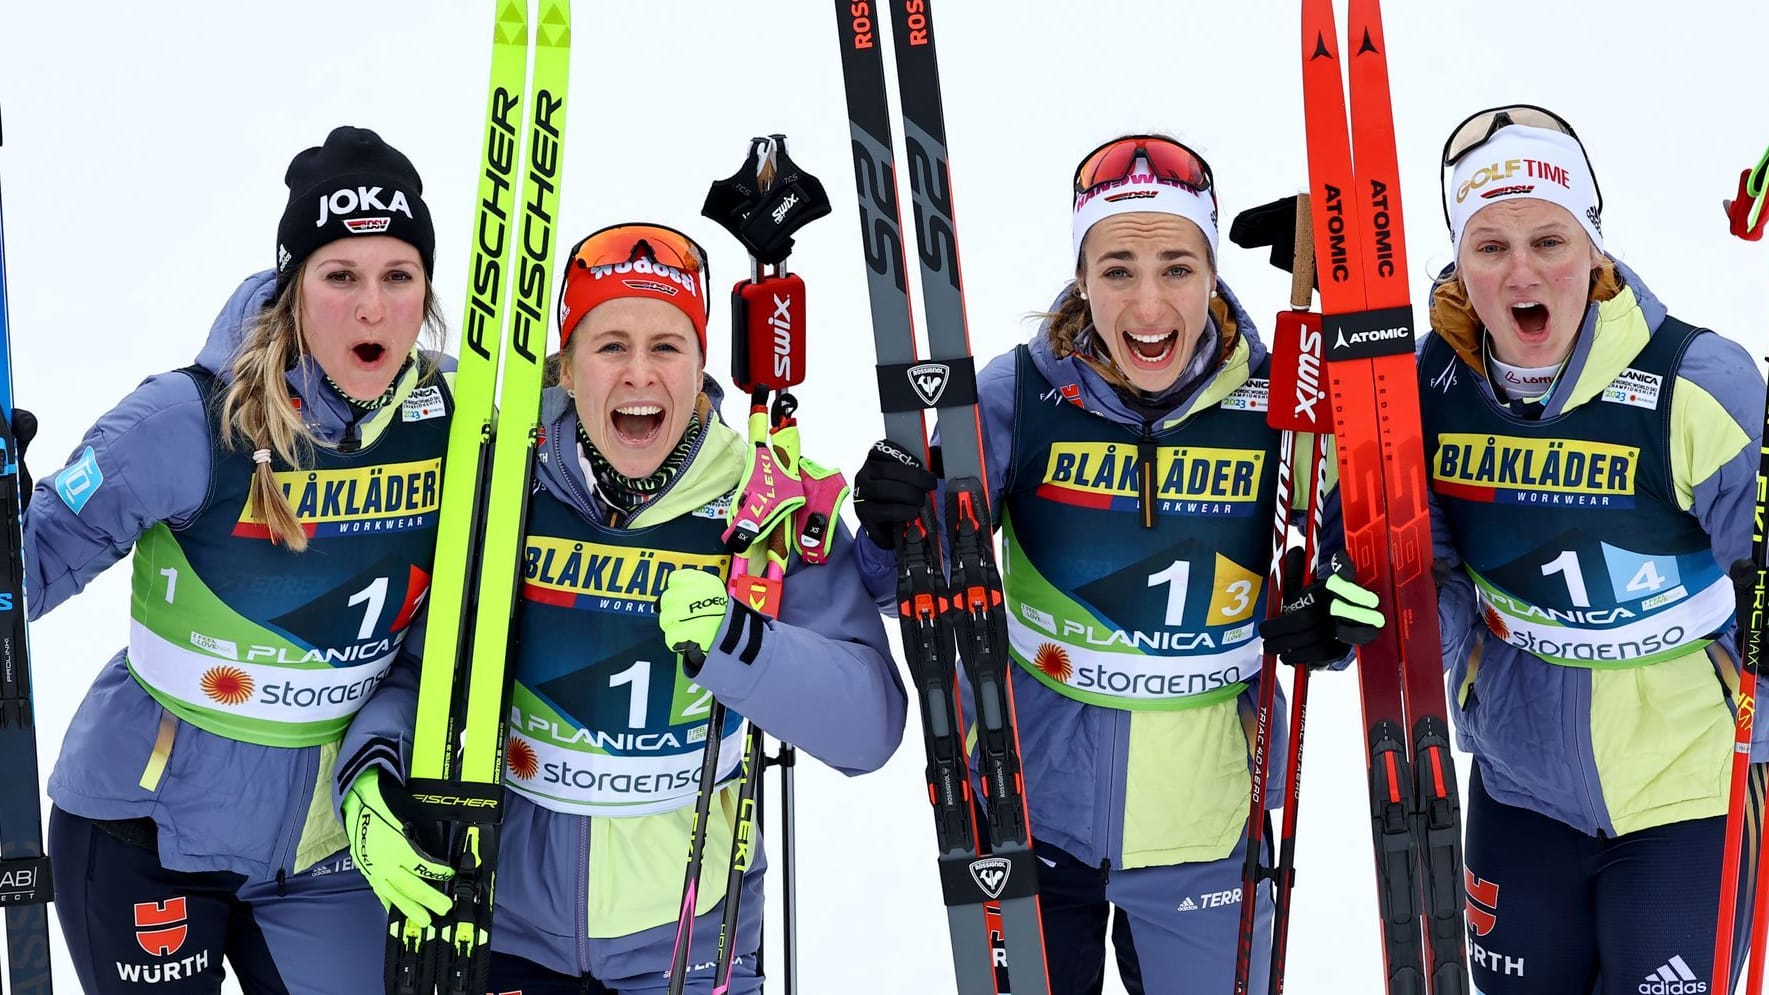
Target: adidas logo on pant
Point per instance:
(1674, 978)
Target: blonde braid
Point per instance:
(256, 413)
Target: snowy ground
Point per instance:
(145, 146)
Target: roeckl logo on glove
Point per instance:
(894, 453)
(353, 199)
(706, 603)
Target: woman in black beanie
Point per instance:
(280, 496)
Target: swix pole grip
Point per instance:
(768, 347)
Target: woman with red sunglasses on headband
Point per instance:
(625, 564)
(1133, 617)
(1593, 465)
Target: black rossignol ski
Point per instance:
(458, 742)
(1354, 185)
(943, 621)
(24, 871)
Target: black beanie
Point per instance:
(354, 184)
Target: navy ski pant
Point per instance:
(133, 927)
(1173, 928)
(1552, 911)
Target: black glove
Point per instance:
(24, 429)
(1744, 589)
(1320, 623)
(1272, 224)
(890, 491)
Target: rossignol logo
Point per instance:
(785, 208)
(991, 874)
(929, 381)
(1673, 978)
(781, 322)
(1534, 169)
(351, 200)
(644, 266)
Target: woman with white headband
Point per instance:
(1132, 614)
(1592, 461)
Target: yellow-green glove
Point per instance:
(691, 609)
(401, 874)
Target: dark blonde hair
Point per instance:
(256, 413)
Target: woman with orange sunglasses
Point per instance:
(626, 565)
(1132, 611)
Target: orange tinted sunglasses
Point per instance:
(1167, 159)
(626, 243)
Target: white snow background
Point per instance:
(145, 146)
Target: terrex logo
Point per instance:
(353, 199)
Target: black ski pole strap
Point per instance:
(764, 212)
(934, 383)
